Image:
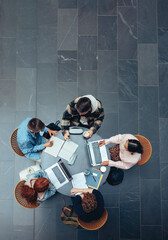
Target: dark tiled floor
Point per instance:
(52, 51)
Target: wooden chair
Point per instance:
(94, 225)
(14, 143)
(22, 201)
(147, 149)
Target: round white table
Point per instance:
(81, 163)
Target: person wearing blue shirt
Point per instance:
(31, 178)
(29, 139)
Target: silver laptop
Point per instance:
(97, 154)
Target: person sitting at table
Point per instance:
(84, 111)
(88, 205)
(126, 153)
(29, 139)
(37, 187)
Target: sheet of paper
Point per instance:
(79, 180)
(68, 149)
(57, 144)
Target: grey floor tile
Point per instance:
(151, 232)
(107, 33)
(127, 30)
(87, 53)
(150, 170)
(165, 219)
(7, 101)
(128, 117)
(89, 235)
(47, 45)
(109, 126)
(127, 2)
(148, 113)
(107, 71)
(129, 215)
(111, 228)
(87, 83)
(163, 85)
(130, 183)
(109, 102)
(21, 115)
(67, 66)
(150, 202)
(8, 58)
(7, 177)
(7, 153)
(163, 45)
(8, 19)
(45, 223)
(47, 13)
(6, 219)
(26, 14)
(87, 17)
(67, 29)
(164, 180)
(106, 189)
(147, 64)
(26, 89)
(163, 126)
(26, 49)
(107, 7)
(46, 92)
(128, 80)
(147, 15)
(111, 199)
(21, 232)
(67, 3)
(162, 9)
(69, 91)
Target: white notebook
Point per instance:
(61, 148)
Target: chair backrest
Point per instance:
(14, 143)
(147, 149)
(94, 225)
(22, 201)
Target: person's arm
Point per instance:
(79, 190)
(50, 192)
(121, 164)
(99, 119)
(65, 123)
(115, 139)
(36, 174)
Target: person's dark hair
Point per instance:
(29, 194)
(41, 184)
(83, 105)
(89, 202)
(134, 146)
(36, 125)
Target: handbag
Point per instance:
(28, 170)
(68, 216)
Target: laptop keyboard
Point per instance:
(97, 154)
(58, 174)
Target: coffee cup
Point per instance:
(103, 169)
(86, 134)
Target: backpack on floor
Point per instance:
(68, 216)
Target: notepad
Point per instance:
(62, 149)
(94, 178)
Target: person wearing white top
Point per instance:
(130, 151)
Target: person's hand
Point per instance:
(90, 134)
(52, 132)
(74, 190)
(67, 136)
(101, 143)
(48, 144)
(105, 163)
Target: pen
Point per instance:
(93, 177)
